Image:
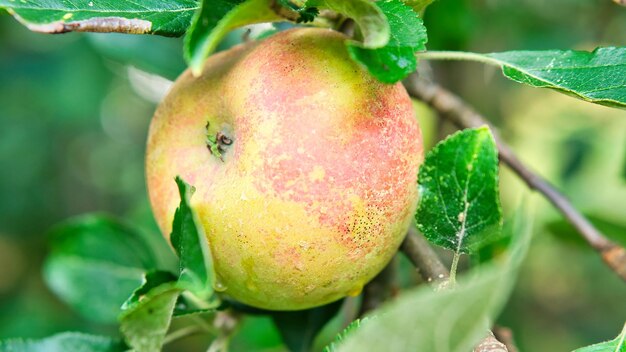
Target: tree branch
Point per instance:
(462, 115)
(423, 256)
(430, 267)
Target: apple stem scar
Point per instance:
(216, 144)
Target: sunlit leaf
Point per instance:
(169, 17)
(598, 76)
(190, 242)
(396, 59)
(459, 206)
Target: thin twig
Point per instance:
(430, 267)
(461, 114)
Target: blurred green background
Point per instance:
(74, 112)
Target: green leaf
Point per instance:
(305, 13)
(66, 341)
(169, 18)
(451, 320)
(216, 18)
(151, 280)
(459, 206)
(95, 289)
(95, 263)
(396, 59)
(616, 345)
(299, 328)
(156, 278)
(190, 242)
(145, 322)
(353, 326)
(418, 5)
(369, 17)
(597, 77)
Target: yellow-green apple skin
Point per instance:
(319, 185)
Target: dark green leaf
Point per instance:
(95, 263)
(597, 77)
(145, 322)
(396, 60)
(616, 345)
(451, 320)
(169, 18)
(369, 17)
(190, 242)
(353, 326)
(151, 280)
(305, 13)
(214, 19)
(64, 342)
(459, 206)
(299, 328)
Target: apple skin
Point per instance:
(319, 185)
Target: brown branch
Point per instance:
(430, 267)
(462, 115)
(423, 256)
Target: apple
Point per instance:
(305, 167)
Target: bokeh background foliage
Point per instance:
(74, 111)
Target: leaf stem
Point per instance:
(180, 333)
(453, 267)
(458, 55)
